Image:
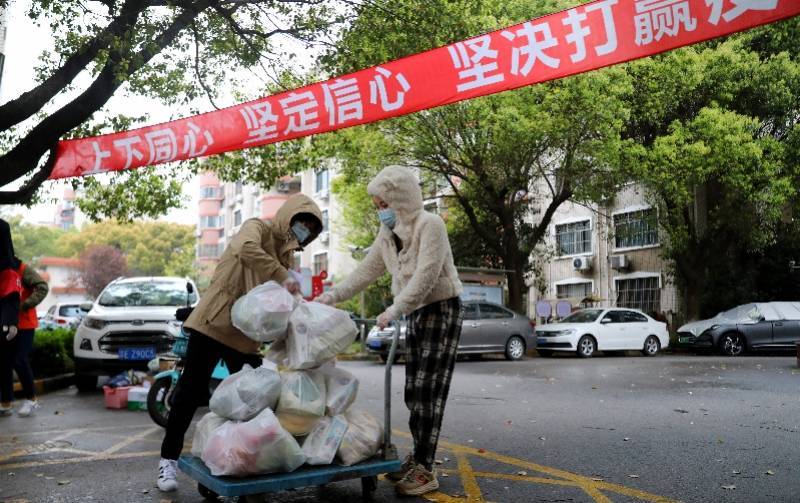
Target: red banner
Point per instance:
(584, 38)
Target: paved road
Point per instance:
(608, 429)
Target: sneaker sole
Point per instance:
(419, 491)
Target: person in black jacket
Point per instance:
(10, 291)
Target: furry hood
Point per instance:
(399, 188)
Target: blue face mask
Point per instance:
(301, 232)
(387, 217)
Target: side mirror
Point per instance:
(86, 307)
(605, 321)
(189, 288)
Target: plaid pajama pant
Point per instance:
(431, 344)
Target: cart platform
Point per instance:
(302, 477)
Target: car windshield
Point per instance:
(147, 293)
(585, 316)
(740, 314)
(73, 311)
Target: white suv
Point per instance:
(131, 322)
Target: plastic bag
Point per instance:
(362, 439)
(322, 443)
(254, 447)
(241, 396)
(341, 389)
(317, 333)
(203, 431)
(302, 401)
(262, 314)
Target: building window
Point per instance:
(210, 222)
(574, 290)
(324, 220)
(574, 238)
(239, 188)
(635, 229)
(209, 192)
(640, 293)
(297, 261)
(320, 263)
(322, 181)
(210, 251)
(237, 218)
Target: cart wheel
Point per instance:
(368, 487)
(207, 493)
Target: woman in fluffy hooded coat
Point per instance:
(412, 245)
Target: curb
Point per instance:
(47, 384)
(359, 357)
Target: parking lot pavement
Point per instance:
(671, 428)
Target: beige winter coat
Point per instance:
(423, 271)
(259, 252)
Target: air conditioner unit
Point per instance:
(582, 263)
(620, 262)
(325, 237)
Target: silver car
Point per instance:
(487, 328)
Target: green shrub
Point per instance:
(52, 352)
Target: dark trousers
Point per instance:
(202, 356)
(431, 346)
(14, 357)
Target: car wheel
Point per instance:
(85, 382)
(586, 346)
(515, 348)
(651, 346)
(545, 352)
(731, 344)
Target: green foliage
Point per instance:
(52, 352)
(151, 248)
(32, 241)
(377, 297)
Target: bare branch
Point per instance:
(197, 73)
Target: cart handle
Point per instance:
(388, 450)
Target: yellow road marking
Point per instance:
(98, 457)
(130, 440)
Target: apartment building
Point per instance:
(223, 207)
(607, 255)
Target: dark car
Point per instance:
(765, 326)
(487, 328)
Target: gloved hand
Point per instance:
(385, 318)
(291, 285)
(12, 332)
(326, 298)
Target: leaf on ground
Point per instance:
(625, 439)
(438, 461)
(682, 411)
(729, 488)
(598, 479)
(522, 473)
(633, 476)
(64, 482)
(541, 438)
(737, 472)
(769, 472)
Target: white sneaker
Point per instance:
(6, 411)
(168, 475)
(28, 408)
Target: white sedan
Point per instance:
(613, 329)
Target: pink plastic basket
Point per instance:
(116, 398)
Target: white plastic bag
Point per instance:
(254, 447)
(262, 314)
(362, 439)
(203, 431)
(321, 444)
(302, 401)
(317, 333)
(241, 396)
(341, 389)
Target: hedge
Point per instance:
(52, 352)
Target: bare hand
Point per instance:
(291, 285)
(384, 319)
(12, 332)
(326, 299)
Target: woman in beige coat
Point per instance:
(412, 245)
(260, 252)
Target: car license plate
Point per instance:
(375, 344)
(685, 340)
(136, 353)
(541, 340)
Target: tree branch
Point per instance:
(25, 155)
(19, 109)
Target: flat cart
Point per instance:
(210, 486)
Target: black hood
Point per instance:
(8, 259)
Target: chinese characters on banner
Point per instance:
(584, 38)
